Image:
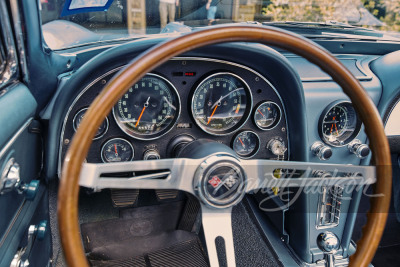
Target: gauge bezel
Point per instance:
(275, 123)
(254, 151)
(85, 109)
(242, 121)
(325, 113)
(146, 137)
(113, 139)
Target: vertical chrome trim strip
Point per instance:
(11, 68)
(19, 38)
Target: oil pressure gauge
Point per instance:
(246, 144)
(117, 150)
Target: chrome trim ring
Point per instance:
(113, 139)
(95, 137)
(254, 152)
(225, 132)
(276, 123)
(144, 137)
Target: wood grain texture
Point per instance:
(69, 187)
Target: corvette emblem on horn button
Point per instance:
(220, 182)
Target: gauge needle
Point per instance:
(332, 125)
(261, 113)
(146, 104)
(337, 132)
(242, 142)
(115, 148)
(212, 114)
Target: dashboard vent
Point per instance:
(329, 207)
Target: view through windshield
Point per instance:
(75, 22)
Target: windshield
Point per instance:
(68, 23)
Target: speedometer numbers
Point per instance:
(221, 103)
(149, 109)
(339, 124)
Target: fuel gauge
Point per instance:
(246, 144)
(267, 115)
(117, 150)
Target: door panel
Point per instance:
(20, 140)
(22, 203)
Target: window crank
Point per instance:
(35, 232)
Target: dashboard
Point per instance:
(229, 100)
(183, 100)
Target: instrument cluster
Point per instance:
(183, 100)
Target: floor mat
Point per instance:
(184, 253)
(139, 222)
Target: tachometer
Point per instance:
(339, 124)
(221, 103)
(149, 109)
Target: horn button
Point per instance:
(220, 181)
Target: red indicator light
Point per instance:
(190, 73)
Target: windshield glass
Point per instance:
(68, 23)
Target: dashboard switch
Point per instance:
(358, 148)
(323, 152)
(151, 155)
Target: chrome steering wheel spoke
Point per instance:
(151, 174)
(217, 223)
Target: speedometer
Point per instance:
(221, 104)
(149, 109)
(339, 124)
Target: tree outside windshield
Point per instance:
(137, 17)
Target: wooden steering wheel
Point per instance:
(213, 213)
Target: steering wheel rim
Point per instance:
(113, 91)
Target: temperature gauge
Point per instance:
(246, 144)
(267, 115)
(117, 150)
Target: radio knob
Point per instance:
(359, 149)
(323, 152)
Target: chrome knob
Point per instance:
(323, 152)
(277, 147)
(358, 148)
(151, 155)
(329, 243)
